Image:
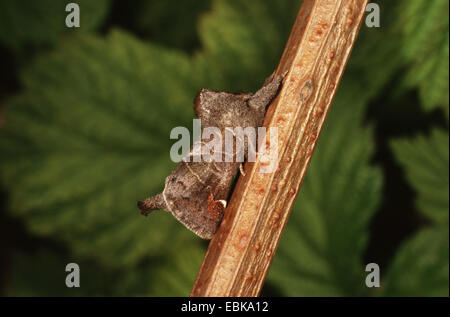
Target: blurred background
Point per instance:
(85, 117)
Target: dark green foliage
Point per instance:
(46, 276)
(244, 41)
(104, 149)
(171, 23)
(424, 27)
(25, 23)
(420, 267)
(88, 135)
(425, 160)
(321, 249)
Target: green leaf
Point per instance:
(413, 40)
(89, 137)
(90, 134)
(420, 267)
(171, 275)
(31, 23)
(426, 163)
(424, 26)
(172, 23)
(321, 248)
(244, 40)
(375, 59)
(42, 273)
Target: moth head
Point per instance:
(218, 108)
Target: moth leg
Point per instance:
(223, 202)
(241, 169)
(234, 154)
(152, 203)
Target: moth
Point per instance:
(196, 193)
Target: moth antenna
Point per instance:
(152, 203)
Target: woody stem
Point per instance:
(239, 255)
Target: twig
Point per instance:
(239, 255)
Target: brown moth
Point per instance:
(196, 193)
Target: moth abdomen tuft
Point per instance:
(152, 203)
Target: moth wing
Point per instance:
(209, 102)
(195, 194)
